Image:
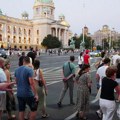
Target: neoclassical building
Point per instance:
(25, 33)
(105, 33)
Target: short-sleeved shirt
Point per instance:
(107, 90)
(68, 68)
(102, 73)
(86, 59)
(2, 78)
(22, 75)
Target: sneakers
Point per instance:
(99, 114)
(45, 115)
(59, 104)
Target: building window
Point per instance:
(14, 39)
(37, 10)
(8, 29)
(24, 31)
(37, 40)
(19, 39)
(29, 40)
(29, 32)
(37, 32)
(19, 30)
(14, 30)
(0, 37)
(1, 27)
(25, 47)
(8, 38)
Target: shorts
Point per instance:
(30, 101)
(80, 65)
(3, 101)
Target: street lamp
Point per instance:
(82, 44)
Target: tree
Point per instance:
(51, 42)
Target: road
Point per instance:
(51, 66)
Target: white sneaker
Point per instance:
(99, 114)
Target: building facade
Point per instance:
(105, 33)
(24, 33)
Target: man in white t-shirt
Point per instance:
(101, 72)
(115, 57)
(3, 79)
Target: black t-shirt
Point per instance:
(21, 60)
(107, 90)
(32, 55)
(118, 74)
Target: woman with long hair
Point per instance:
(41, 88)
(83, 91)
(10, 99)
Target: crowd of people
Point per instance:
(32, 89)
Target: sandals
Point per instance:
(45, 115)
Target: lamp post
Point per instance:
(82, 44)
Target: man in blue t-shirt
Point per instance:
(68, 75)
(26, 91)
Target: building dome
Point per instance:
(46, 1)
(37, 2)
(65, 23)
(25, 14)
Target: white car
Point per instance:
(94, 54)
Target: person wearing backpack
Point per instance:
(68, 76)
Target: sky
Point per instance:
(78, 13)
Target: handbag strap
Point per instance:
(69, 66)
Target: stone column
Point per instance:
(59, 34)
(4, 36)
(56, 31)
(64, 40)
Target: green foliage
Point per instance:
(99, 47)
(51, 42)
(87, 41)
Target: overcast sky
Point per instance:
(92, 13)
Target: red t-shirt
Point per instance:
(86, 59)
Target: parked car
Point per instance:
(95, 54)
(3, 53)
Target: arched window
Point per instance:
(8, 29)
(8, 38)
(19, 30)
(14, 30)
(24, 31)
(14, 39)
(37, 40)
(0, 27)
(19, 39)
(37, 32)
(29, 32)
(0, 37)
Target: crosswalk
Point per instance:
(51, 75)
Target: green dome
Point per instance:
(43, 1)
(46, 1)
